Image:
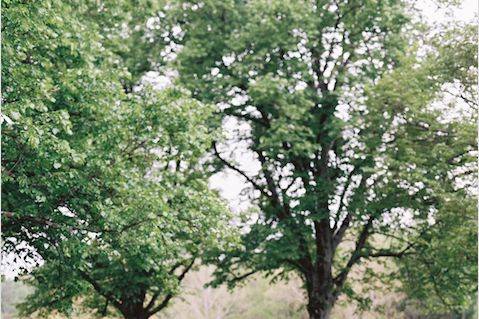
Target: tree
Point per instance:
(340, 109)
(105, 185)
(442, 274)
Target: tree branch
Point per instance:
(246, 275)
(168, 297)
(341, 198)
(339, 234)
(356, 255)
(99, 289)
(234, 168)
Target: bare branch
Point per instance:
(356, 255)
(244, 276)
(234, 168)
(341, 198)
(339, 234)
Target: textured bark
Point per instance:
(134, 311)
(320, 284)
(319, 309)
(139, 313)
(321, 298)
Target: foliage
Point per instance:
(104, 184)
(442, 274)
(345, 103)
(340, 103)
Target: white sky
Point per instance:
(230, 184)
(466, 12)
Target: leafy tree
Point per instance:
(339, 102)
(442, 275)
(105, 185)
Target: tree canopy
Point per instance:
(360, 118)
(449, 283)
(340, 98)
(105, 185)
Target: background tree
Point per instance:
(442, 274)
(342, 125)
(104, 185)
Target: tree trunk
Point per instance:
(136, 316)
(319, 310)
(135, 312)
(320, 283)
(320, 298)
